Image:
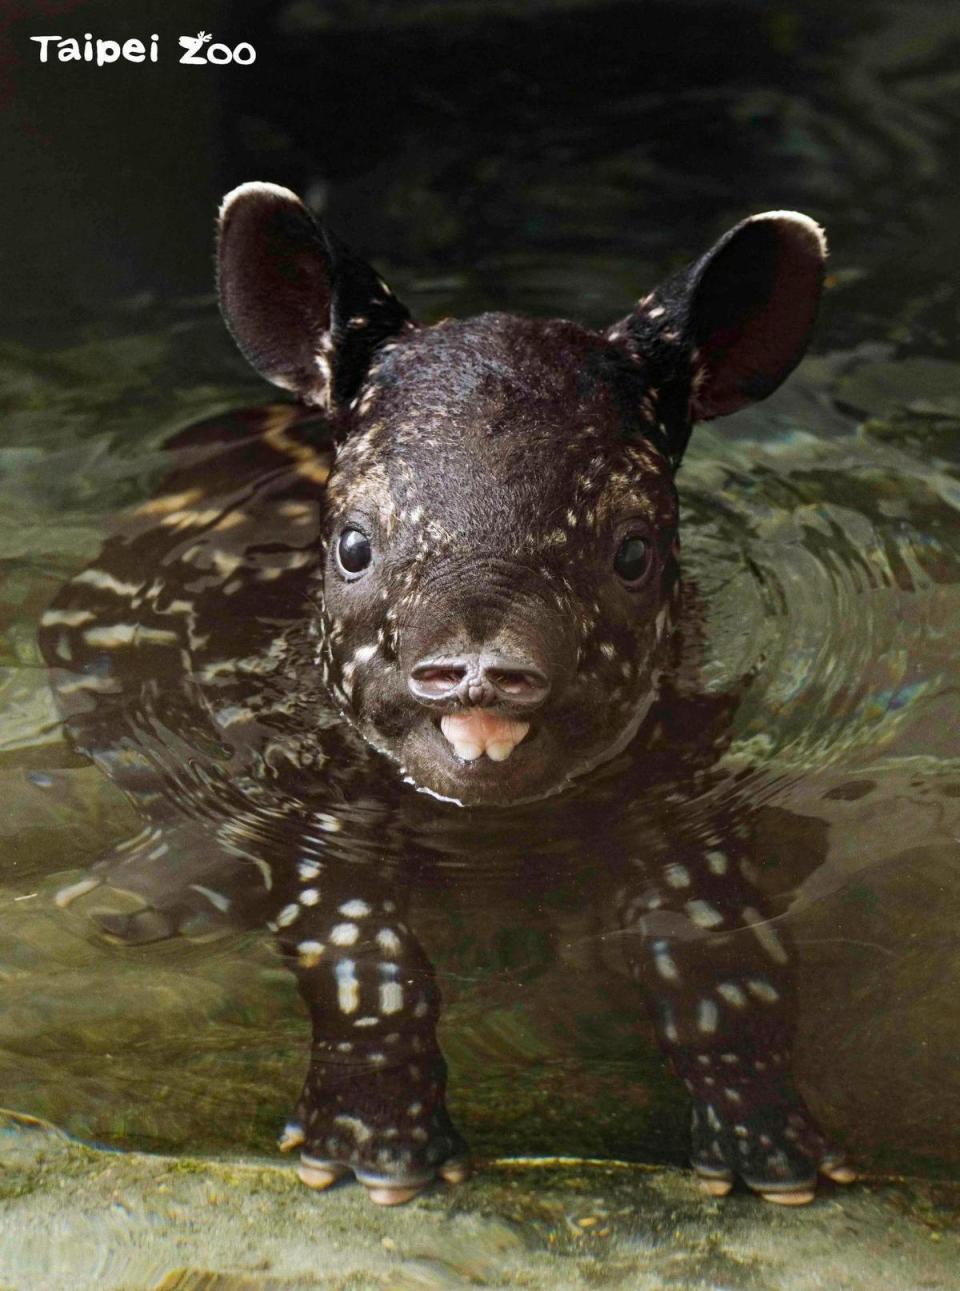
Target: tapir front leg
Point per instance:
(373, 1099)
(718, 977)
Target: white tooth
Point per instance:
(500, 750)
(469, 752)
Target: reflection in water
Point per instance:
(474, 549)
(825, 556)
(263, 808)
(548, 920)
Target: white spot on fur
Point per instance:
(391, 997)
(344, 934)
(388, 941)
(348, 988)
(664, 962)
(355, 1126)
(309, 953)
(703, 914)
(355, 909)
(733, 995)
(762, 990)
(707, 1017)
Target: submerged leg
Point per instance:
(180, 880)
(373, 1099)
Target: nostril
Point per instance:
(441, 677)
(437, 680)
(478, 680)
(516, 681)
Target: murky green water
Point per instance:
(821, 528)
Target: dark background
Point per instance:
(551, 156)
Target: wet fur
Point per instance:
(255, 703)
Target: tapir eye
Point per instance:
(632, 560)
(354, 553)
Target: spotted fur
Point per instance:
(278, 718)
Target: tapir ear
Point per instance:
(305, 311)
(730, 328)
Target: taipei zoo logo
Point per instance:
(196, 51)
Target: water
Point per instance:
(820, 529)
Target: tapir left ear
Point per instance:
(730, 328)
(305, 311)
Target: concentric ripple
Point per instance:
(828, 571)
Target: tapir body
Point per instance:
(444, 586)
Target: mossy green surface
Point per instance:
(75, 1218)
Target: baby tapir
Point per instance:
(444, 584)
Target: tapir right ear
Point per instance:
(305, 311)
(728, 329)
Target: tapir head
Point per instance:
(500, 528)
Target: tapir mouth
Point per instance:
(480, 731)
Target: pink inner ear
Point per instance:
(748, 353)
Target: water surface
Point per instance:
(820, 527)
